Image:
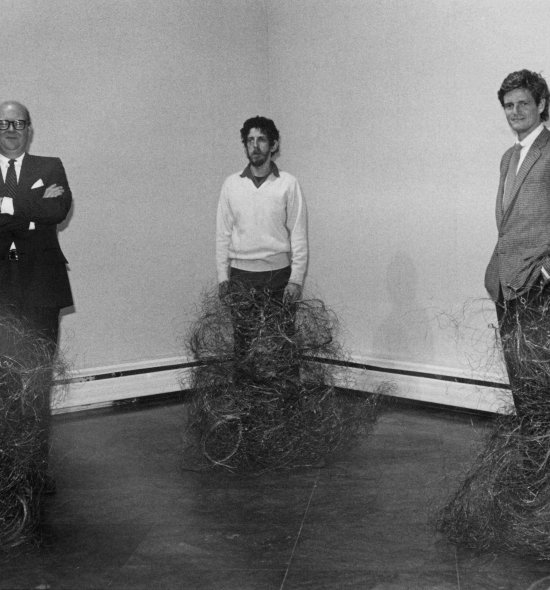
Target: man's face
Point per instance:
(258, 149)
(522, 112)
(13, 142)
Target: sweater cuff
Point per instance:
(223, 274)
(296, 278)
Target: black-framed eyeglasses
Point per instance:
(18, 124)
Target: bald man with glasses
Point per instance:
(34, 198)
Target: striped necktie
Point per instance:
(10, 189)
(511, 177)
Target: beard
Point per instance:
(257, 159)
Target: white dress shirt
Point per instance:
(6, 204)
(526, 144)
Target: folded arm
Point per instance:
(48, 204)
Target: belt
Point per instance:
(13, 255)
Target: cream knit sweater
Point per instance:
(259, 229)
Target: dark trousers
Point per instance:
(43, 322)
(524, 326)
(273, 282)
(258, 311)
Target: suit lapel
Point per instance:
(532, 156)
(28, 168)
(500, 195)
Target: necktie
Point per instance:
(511, 177)
(10, 190)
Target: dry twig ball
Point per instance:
(504, 501)
(26, 375)
(264, 394)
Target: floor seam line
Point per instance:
(299, 531)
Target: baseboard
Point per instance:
(427, 383)
(100, 387)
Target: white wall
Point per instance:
(143, 101)
(390, 119)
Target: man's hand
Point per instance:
(293, 291)
(53, 191)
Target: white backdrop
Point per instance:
(389, 118)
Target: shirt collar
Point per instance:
(4, 161)
(528, 141)
(247, 172)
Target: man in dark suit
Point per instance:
(34, 197)
(519, 270)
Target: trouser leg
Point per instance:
(524, 325)
(257, 303)
(44, 322)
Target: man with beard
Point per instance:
(261, 234)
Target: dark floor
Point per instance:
(127, 517)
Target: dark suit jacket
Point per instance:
(39, 278)
(523, 244)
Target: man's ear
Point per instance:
(30, 136)
(274, 146)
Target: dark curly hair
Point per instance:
(531, 81)
(265, 125)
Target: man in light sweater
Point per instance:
(261, 230)
(261, 235)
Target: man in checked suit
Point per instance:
(34, 197)
(519, 271)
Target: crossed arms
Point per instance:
(46, 204)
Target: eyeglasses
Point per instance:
(18, 124)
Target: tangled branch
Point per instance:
(504, 501)
(26, 372)
(263, 400)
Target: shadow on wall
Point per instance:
(406, 333)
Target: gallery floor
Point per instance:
(126, 516)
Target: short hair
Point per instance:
(265, 125)
(531, 81)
